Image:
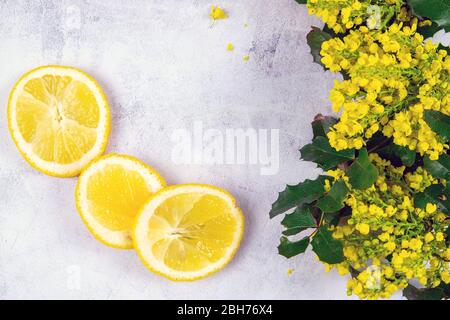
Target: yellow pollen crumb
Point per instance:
(217, 13)
(230, 47)
(290, 272)
(246, 58)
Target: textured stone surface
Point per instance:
(163, 67)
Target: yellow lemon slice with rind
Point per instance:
(110, 193)
(188, 232)
(59, 119)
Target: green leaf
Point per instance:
(322, 124)
(328, 249)
(406, 156)
(299, 220)
(333, 201)
(315, 38)
(439, 168)
(301, 1)
(289, 249)
(437, 11)
(437, 194)
(413, 293)
(324, 155)
(438, 122)
(304, 192)
(362, 173)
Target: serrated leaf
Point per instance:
(437, 11)
(328, 249)
(413, 293)
(289, 249)
(439, 168)
(437, 194)
(334, 199)
(324, 155)
(293, 196)
(299, 220)
(438, 122)
(362, 173)
(322, 124)
(315, 38)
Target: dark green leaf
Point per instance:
(413, 293)
(298, 221)
(305, 192)
(437, 11)
(333, 200)
(328, 249)
(324, 155)
(439, 168)
(289, 249)
(322, 124)
(301, 1)
(406, 156)
(438, 122)
(315, 38)
(437, 194)
(362, 173)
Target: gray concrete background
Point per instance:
(162, 67)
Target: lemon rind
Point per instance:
(159, 268)
(114, 239)
(104, 128)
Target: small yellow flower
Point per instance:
(363, 228)
(217, 13)
(429, 237)
(430, 208)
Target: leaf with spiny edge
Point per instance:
(298, 221)
(289, 249)
(324, 155)
(328, 249)
(334, 200)
(302, 193)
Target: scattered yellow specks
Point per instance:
(246, 58)
(290, 272)
(230, 47)
(217, 13)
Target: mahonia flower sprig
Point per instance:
(394, 77)
(380, 213)
(388, 239)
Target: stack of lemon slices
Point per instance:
(59, 120)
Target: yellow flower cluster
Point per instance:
(393, 77)
(342, 15)
(387, 241)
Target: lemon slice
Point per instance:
(188, 232)
(110, 193)
(59, 119)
